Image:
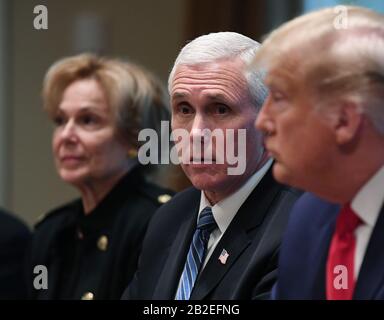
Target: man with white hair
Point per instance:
(219, 239)
(324, 125)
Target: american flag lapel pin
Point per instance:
(223, 256)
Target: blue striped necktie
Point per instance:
(196, 253)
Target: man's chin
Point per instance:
(205, 183)
(201, 185)
(280, 173)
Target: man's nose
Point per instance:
(260, 119)
(199, 127)
(263, 121)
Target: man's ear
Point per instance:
(348, 121)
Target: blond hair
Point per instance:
(137, 99)
(332, 61)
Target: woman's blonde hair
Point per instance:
(137, 99)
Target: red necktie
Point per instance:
(340, 264)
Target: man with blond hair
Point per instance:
(324, 125)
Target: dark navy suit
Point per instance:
(303, 256)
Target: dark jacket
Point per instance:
(252, 241)
(302, 264)
(94, 256)
(14, 240)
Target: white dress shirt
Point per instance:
(367, 205)
(225, 210)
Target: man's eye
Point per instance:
(222, 109)
(277, 96)
(185, 109)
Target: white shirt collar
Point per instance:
(225, 210)
(369, 200)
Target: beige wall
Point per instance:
(147, 31)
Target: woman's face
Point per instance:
(85, 146)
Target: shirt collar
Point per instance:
(369, 200)
(225, 210)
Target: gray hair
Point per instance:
(224, 45)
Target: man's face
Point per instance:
(215, 96)
(297, 136)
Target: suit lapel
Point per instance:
(237, 238)
(173, 267)
(214, 271)
(371, 275)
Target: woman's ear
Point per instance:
(347, 122)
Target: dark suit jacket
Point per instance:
(252, 241)
(95, 253)
(304, 253)
(14, 240)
